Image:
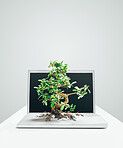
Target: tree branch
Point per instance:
(72, 93)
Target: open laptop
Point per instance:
(85, 106)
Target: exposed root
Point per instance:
(77, 114)
(48, 118)
(59, 115)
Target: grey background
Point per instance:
(85, 34)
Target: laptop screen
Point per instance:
(83, 105)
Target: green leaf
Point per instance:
(40, 80)
(71, 105)
(38, 92)
(62, 102)
(71, 109)
(74, 89)
(35, 87)
(65, 66)
(45, 103)
(74, 106)
(50, 90)
(47, 97)
(52, 104)
(84, 93)
(81, 96)
(58, 64)
(55, 100)
(67, 84)
(73, 82)
(85, 87)
(52, 96)
(89, 91)
(62, 107)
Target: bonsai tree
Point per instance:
(51, 89)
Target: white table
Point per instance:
(12, 137)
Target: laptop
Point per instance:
(84, 113)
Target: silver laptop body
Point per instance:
(88, 120)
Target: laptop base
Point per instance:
(88, 120)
